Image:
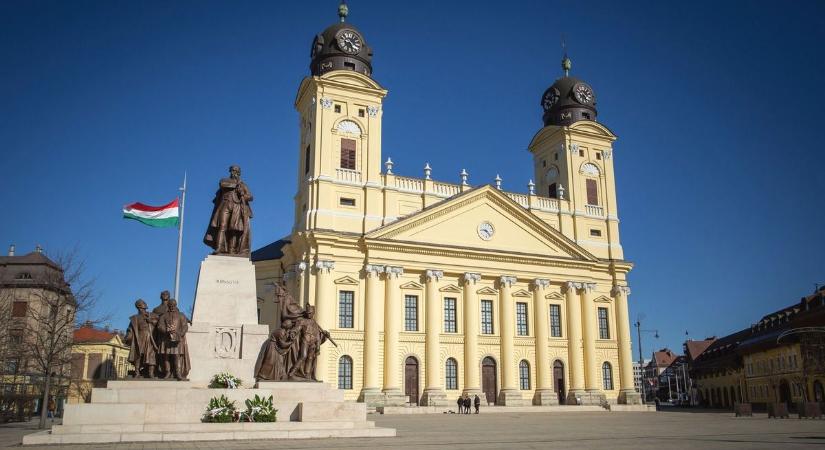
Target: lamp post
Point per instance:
(639, 331)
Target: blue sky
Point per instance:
(718, 109)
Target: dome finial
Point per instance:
(566, 64)
(343, 10)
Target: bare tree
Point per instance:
(65, 297)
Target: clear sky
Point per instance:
(717, 105)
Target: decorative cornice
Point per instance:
(471, 278)
(541, 283)
(325, 265)
(433, 274)
(507, 280)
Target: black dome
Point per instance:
(568, 100)
(340, 47)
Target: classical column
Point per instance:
(324, 312)
(628, 394)
(434, 394)
(592, 368)
(472, 365)
(509, 395)
(392, 327)
(575, 358)
(544, 382)
(371, 392)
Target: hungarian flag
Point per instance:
(154, 216)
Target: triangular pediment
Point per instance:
(522, 293)
(602, 299)
(451, 288)
(554, 296)
(487, 291)
(412, 285)
(483, 219)
(346, 280)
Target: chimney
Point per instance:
(11, 250)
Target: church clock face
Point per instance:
(583, 94)
(486, 230)
(551, 96)
(349, 41)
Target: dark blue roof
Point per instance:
(271, 251)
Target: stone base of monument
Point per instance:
(140, 411)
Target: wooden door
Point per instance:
(488, 380)
(411, 380)
(558, 381)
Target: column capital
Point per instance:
(374, 269)
(325, 265)
(620, 290)
(581, 286)
(472, 277)
(433, 274)
(393, 271)
(507, 280)
(541, 283)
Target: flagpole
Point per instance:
(180, 236)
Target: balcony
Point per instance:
(594, 210)
(348, 175)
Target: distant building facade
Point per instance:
(97, 355)
(638, 374)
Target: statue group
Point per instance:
(157, 340)
(291, 352)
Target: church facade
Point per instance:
(433, 289)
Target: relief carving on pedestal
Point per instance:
(227, 342)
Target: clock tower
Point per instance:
(339, 169)
(573, 161)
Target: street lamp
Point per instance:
(639, 331)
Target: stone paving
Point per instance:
(677, 429)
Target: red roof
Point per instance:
(89, 334)
(664, 357)
(695, 348)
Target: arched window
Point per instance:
(524, 375)
(607, 376)
(345, 372)
(592, 192)
(451, 375)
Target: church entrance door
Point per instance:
(411, 380)
(488, 380)
(558, 380)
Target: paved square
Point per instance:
(575, 430)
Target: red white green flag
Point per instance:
(154, 216)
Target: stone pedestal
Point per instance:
(630, 398)
(225, 335)
(545, 397)
(434, 397)
(511, 397)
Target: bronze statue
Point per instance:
(164, 299)
(139, 337)
(276, 356)
(157, 312)
(172, 327)
(292, 350)
(229, 232)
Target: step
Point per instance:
(327, 412)
(46, 437)
(205, 427)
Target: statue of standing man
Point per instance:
(229, 232)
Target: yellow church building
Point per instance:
(433, 289)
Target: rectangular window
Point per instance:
(604, 326)
(411, 313)
(345, 301)
(93, 367)
(346, 201)
(15, 337)
(521, 319)
(555, 320)
(486, 317)
(348, 154)
(581, 152)
(598, 155)
(449, 316)
(19, 309)
(592, 192)
(361, 112)
(556, 156)
(12, 364)
(306, 161)
(337, 108)
(552, 191)
(595, 233)
(349, 65)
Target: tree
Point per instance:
(66, 296)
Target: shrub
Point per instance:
(225, 380)
(220, 410)
(259, 409)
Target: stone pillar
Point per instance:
(544, 373)
(509, 395)
(575, 358)
(592, 368)
(393, 395)
(628, 394)
(472, 365)
(434, 394)
(324, 312)
(371, 392)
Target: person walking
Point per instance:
(477, 403)
(52, 406)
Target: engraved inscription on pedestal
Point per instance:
(227, 342)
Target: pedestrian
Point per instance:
(460, 404)
(51, 407)
(467, 403)
(477, 403)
